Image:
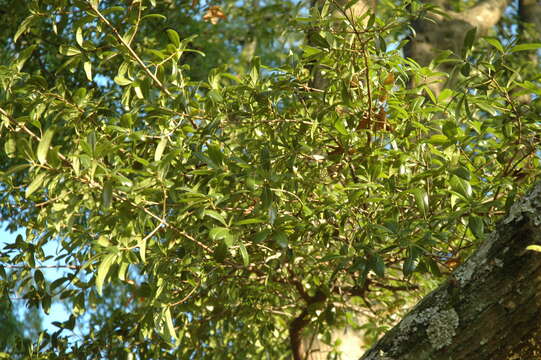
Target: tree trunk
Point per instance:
(437, 33)
(489, 308)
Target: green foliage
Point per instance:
(196, 194)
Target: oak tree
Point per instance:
(239, 179)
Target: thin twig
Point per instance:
(129, 48)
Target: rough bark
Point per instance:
(490, 307)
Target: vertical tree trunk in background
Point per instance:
(529, 12)
(530, 15)
(489, 309)
(439, 33)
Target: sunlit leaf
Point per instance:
(526, 47)
(160, 148)
(44, 144)
(536, 248)
(103, 270)
(36, 184)
(216, 216)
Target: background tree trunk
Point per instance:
(438, 33)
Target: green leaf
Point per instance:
(461, 186)
(15, 169)
(468, 41)
(262, 235)
(462, 172)
(477, 226)
(430, 94)
(340, 126)
(173, 36)
(103, 269)
(44, 144)
(267, 197)
(10, 147)
(216, 216)
(87, 66)
(496, 44)
(107, 195)
(249, 221)
(25, 24)
(170, 326)
(122, 81)
(79, 36)
(409, 266)
(438, 139)
(160, 148)
(103, 241)
(138, 91)
(215, 155)
(421, 199)
(154, 16)
(92, 140)
(215, 96)
(281, 239)
(378, 265)
(142, 244)
(485, 106)
(310, 52)
(218, 233)
(69, 50)
(526, 47)
(39, 279)
(244, 254)
(35, 184)
(534, 248)
(23, 56)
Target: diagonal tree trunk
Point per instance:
(490, 307)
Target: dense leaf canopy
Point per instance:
(176, 162)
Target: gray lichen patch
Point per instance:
(442, 328)
(529, 205)
(477, 263)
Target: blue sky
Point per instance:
(58, 311)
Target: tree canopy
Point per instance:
(205, 196)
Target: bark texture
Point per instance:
(489, 309)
